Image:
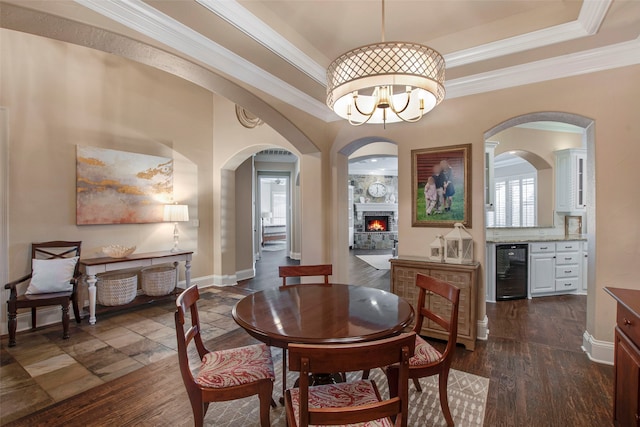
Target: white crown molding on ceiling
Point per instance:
(258, 30)
(573, 64)
(147, 20)
(589, 20)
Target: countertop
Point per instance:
(533, 238)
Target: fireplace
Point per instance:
(377, 223)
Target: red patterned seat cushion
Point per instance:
(424, 354)
(340, 395)
(235, 366)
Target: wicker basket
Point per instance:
(117, 288)
(157, 281)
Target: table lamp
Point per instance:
(176, 213)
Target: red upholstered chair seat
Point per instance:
(237, 366)
(425, 353)
(341, 395)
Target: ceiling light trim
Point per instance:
(591, 16)
(246, 22)
(589, 61)
(147, 20)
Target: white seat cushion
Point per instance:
(237, 366)
(424, 354)
(340, 395)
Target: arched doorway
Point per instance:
(587, 125)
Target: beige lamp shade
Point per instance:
(176, 213)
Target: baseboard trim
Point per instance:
(249, 273)
(597, 351)
(225, 280)
(295, 255)
(483, 329)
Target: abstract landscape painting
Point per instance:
(118, 187)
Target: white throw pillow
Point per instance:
(52, 275)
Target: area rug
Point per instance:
(379, 262)
(467, 401)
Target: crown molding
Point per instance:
(589, 20)
(589, 61)
(149, 21)
(591, 15)
(258, 30)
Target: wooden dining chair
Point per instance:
(427, 360)
(354, 402)
(47, 291)
(286, 271)
(223, 375)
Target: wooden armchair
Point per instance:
(223, 375)
(427, 360)
(55, 250)
(349, 402)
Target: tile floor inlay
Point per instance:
(43, 368)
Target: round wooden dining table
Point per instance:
(322, 314)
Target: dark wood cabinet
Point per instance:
(464, 276)
(626, 397)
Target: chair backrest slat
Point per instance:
(186, 302)
(325, 270)
(57, 249)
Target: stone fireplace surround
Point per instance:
(364, 239)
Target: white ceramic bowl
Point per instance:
(118, 251)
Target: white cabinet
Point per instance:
(489, 179)
(542, 263)
(568, 266)
(555, 267)
(570, 180)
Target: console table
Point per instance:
(464, 276)
(92, 266)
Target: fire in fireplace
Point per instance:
(377, 223)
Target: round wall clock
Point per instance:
(377, 189)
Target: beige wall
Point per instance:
(244, 218)
(60, 95)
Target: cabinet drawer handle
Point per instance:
(567, 284)
(543, 248)
(567, 258)
(626, 321)
(567, 271)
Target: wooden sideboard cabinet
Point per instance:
(464, 276)
(626, 396)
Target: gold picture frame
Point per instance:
(453, 199)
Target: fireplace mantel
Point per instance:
(375, 207)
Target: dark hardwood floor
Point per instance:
(539, 375)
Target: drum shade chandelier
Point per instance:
(386, 82)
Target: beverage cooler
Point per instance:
(512, 272)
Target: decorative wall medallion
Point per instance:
(246, 118)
